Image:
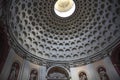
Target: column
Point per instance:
(42, 75)
(26, 71)
(21, 70)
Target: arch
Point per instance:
(33, 74)
(99, 67)
(15, 68)
(57, 72)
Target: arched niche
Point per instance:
(14, 72)
(57, 73)
(82, 76)
(102, 73)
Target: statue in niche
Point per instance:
(102, 73)
(33, 75)
(14, 71)
(82, 76)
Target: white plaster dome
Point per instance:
(38, 32)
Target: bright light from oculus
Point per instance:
(64, 8)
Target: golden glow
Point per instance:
(63, 5)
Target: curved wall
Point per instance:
(115, 57)
(48, 40)
(91, 70)
(4, 45)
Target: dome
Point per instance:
(38, 32)
(59, 39)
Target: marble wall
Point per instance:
(91, 70)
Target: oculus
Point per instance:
(64, 8)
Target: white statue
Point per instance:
(103, 75)
(82, 76)
(14, 72)
(33, 75)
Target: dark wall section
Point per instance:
(2, 3)
(4, 47)
(115, 57)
